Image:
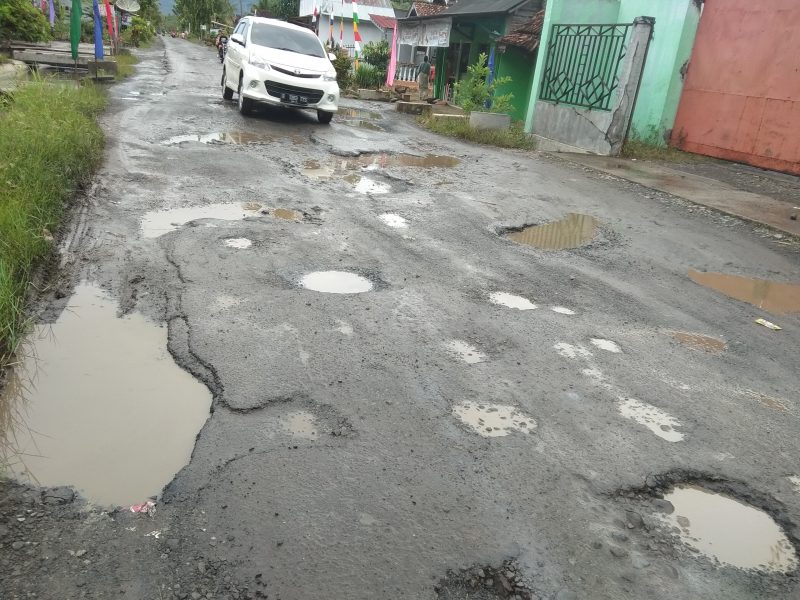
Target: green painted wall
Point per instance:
(518, 65)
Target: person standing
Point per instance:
(423, 77)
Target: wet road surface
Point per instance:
(412, 385)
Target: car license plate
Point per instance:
(295, 99)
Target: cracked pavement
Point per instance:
(384, 490)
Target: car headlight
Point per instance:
(260, 64)
(329, 76)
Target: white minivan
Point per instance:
(278, 63)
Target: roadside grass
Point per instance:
(515, 137)
(50, 144)
(642, 150)
(125, 65)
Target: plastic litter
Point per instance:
(147, 508)
(768, 324)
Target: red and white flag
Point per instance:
(316, 12)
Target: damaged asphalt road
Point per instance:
(465, 415)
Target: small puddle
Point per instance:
(393, 220)
(700, 342)
(313, 169)
(158, 222)
(572, 231)
(369, 186)
(286, 214)
(375, 162)
(656, 420)
(465, 351)
(108, 411)
(772, 296)
(357, 113)
(511, 301)
(336, 282)
(606, 345)
(222, 137)
(238, 243)
(493, 420)
(301, 424)
(562, 310)
(732, 532)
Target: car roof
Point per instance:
(278, 23)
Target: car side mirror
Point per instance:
(331, 57)
(237, 38)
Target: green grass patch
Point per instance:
(125, 65)
(514, 137)
(50, 143)
(642, 150)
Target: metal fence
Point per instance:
(582, 65)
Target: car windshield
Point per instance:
(283, 38)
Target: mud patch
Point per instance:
(772, 296)
(729, 531)
(158, 222)
(573, 231)
(108, 410)
(493, 420)
(238, 243)
(287, 214)
(393, 220)
(336, 282)
(511, 301)
(656, 420)
(221, 137)
(767, 401)
(465, 351)
(486, 583)
(700, 342)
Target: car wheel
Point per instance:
(227, 93)
(245, 104)
(324, 116)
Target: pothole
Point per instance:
(606, 345)
(700, 342)
(570, 351)
(573, 231)
(366, 185)
(485, 583)
(376, 162)
(107, 409)
(493, 420)
(222, 137)
(772, 296)
(301, 424)
(656, 420)
(287, 214)
(158, 222)
(358, 113)
(238, 243)
(562, 310)
(393, 220)
(465, 351)
(729, 531)
(336, 282)
(511, 301)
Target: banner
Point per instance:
(75, 27)
(98, 31)
(426, 33)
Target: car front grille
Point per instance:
(293, 74)
(279, 89)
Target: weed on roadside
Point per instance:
(125, 66)
(642, 150)
(514, 137)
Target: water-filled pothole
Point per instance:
(729, 531)
(511, 301)
(107, 411)
(607, 345)
(287, 214)
(238, 243)
(158, 222)
(700, 342)
(358, 113)
(465, 351)
(656, 420)
(374, 162)
(493, 420)
(366, 185)
(562, 310)
(222, 137)
(393, 220)
(573, 231)
(336, 282)
(773, 296)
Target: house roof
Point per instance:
(526, 36)
(384, 22)
(482, 7)
(426, 9)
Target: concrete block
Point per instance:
(448, 117)
(485, 120)
(380, 95)
(414, 108)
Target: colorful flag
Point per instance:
(98, 31)
(314, 18)
(52, 13)
(331, 26)
(75, 27)
(356, 35)
(108, 22)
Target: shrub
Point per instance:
(377, 54)
(474, 93)
(19, 20)
(369, 76)
(344, 67)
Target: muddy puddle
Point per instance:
(106, 409)
(336, 282)
(238, 243)
(493, 420)
(301, 424)
(772, 296)
(158, 222)
(511, 301)
(656, 420)
(465, 351)
(699, 342)
(572, 231)
(357, 113)
(287, 214)
(221, 137)
(730, 531)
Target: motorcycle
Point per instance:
(222, 47)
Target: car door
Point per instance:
(233, 57)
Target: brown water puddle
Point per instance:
(107, 410)
(158, 222)
(700, 342)
(772, 296)
(222, 137)
(573, 231)
(357, 113)
(288, 214)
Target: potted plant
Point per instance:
(476, 95)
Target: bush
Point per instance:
(19, 20)
(474, 93)
(140, 32)
(344, 67)
(515, 137)
(369, 76)
(377, 54)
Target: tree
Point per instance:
(280, 9)
(19, 20)
(474, 92)
(195, 13)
